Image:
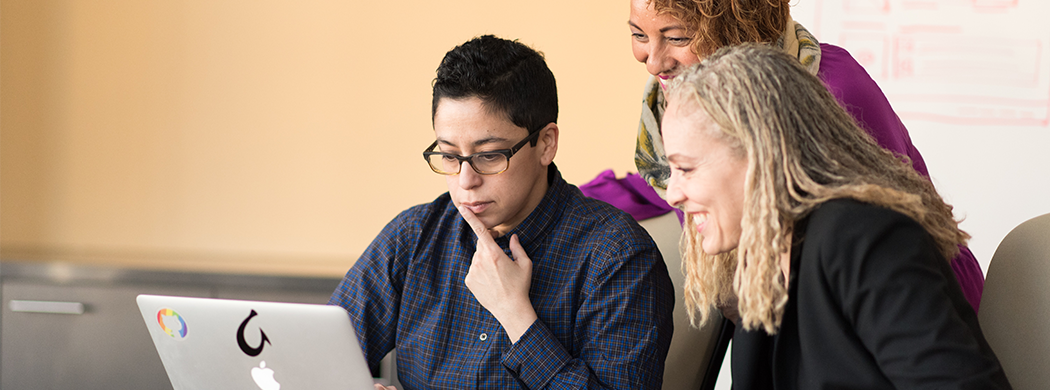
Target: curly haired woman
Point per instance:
(836, 250)
(670, 35)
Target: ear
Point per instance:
(548, 143)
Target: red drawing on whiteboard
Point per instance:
(855, 6)
(994, 5)
(969, 62)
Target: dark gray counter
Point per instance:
(67, 273)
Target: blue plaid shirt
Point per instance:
(599, 286)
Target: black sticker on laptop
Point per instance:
(249, 350)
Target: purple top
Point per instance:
(631, 194)
(854, 89)
(863, 99)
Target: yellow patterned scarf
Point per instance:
(649, 155)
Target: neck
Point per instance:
(785, 262)
(536, 194)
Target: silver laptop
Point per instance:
(228, 344)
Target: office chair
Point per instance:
(695, 355)
(1015, 305)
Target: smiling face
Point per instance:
(707, 175)
(502, 201)
(660, 41)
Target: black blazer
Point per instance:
(872, 305)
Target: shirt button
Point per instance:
(483, 337)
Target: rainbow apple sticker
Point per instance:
(172, 323)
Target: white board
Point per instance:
(971, 81)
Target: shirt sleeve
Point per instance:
(623, 329)
(371, 291)
(898, 293)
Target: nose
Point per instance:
(656, 59)
(468, 178)
(675, 196)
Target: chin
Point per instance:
(712, 253)
(715, 249)
(490, 221)
(709, 249)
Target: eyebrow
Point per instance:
(679, 158)
(662, 30)
(480, 142)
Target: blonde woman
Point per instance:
(836, 249)
(670, 35)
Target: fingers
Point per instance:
(520, 257)
(476, 225)
(487, 243)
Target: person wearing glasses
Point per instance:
(512, 279)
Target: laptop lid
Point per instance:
(230, 344)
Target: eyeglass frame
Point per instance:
(429, 151)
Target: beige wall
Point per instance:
(263, 132)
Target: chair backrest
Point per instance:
(1015, 305)
(690, 356)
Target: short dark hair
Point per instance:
(509, 77)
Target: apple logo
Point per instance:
(264, 377)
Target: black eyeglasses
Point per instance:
(486, 163)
